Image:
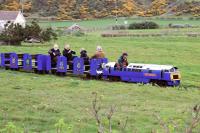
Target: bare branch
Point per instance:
(109, 117)
(163, 124)
(195, 120)
(123, 126)
(95, 110)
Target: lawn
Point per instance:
(104, 23)
(37, 102)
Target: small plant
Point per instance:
(96, 108)
(62, 127)
(11, 128)
(119, 27)
(195, 120)
(169, 128)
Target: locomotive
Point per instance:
(163, 75)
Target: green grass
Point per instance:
(38, 101)
(104, 23)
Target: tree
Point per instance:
(13, 34)
(128, 8)
(13, 5)
(84, 10)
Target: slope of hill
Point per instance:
(86, 9)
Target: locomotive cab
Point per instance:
(174, 73)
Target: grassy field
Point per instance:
(104, 23)
(37, 102)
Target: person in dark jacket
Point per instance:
(54, 53)
(122, 61)
(68, 53)
(83, 54)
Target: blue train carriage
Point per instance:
(26, 62)
(42, 63)
(61, 66)
(163, 75)
(79, 66)
(9, 61)
(97, 67)
(2, 60)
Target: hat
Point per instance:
(55, 46)
(99, 48)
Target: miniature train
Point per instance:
(164, 75)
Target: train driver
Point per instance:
(122, 61)
(54, 52)
(99, 53)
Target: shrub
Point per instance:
(78, 33)
(144, 25)
(119, 27)
(13, 34)
(48, 35)
(32, 30)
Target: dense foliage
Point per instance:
(144, 25)
(14, 34)
(86, 9)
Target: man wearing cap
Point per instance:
(54, 53)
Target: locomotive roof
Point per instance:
(111, 64)
(149, 66)
(144, 66)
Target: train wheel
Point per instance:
(159, 83)
(162, 83)
(35, 70)
(88, 76)
(46, 72)
(114, 78)
(53, 71)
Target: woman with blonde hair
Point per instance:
(99, 53)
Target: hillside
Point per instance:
(86, 9)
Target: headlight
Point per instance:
(175, 76)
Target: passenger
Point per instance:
(67, 52)
(122, 61)
(54, 53)
(99, 53)
(83, 54)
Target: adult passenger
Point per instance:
(83, 54)
(54, 53)
(68, 53)
(99, 53)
